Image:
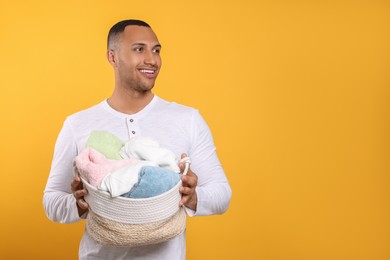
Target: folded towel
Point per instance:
(142, 148)
(106, 143)
(153, 181)
(94, 166)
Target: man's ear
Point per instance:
(112, 58)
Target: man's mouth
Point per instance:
(149, 73)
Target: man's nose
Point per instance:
(150, 58)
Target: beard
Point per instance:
(131, 79)
(138, 85)
(135, 82)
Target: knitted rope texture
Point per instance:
(126, 222)
(133, 211)
(113, 233)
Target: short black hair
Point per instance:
(119, 27)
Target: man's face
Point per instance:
(139, 58)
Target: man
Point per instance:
(133, 110)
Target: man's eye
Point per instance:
(139, 49)
(156, 50)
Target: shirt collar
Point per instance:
(137, 115)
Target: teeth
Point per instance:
(148, 71)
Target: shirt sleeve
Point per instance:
(213, 190)
(58, 200)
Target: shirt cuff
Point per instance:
(190, 212)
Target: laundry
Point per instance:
(147, 167)
(142, 148)
(149, 153)
(123, 179)
(94, 166)
(106, 143)
(153, 181)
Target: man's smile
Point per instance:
(149, 73)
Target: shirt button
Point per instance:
(133, 132)
(131, 120)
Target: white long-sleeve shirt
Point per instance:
(178, 128)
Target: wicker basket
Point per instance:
(132, 222)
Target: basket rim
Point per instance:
(89, 186)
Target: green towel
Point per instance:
(106, 143)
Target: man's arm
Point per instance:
(212, 192)
(59, 203)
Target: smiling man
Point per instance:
(133, 110)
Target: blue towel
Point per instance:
(153, 181)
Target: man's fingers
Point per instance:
(76, 183)
(182, 165)
(80, 193)
(189, 183)
(186, 181)
(185, 190)
(82, 203)
(183, 201)
(189, 180)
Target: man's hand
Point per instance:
(79, 192)
(189, 182)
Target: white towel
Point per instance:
(142, 148)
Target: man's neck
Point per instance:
(129, 102)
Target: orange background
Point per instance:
(296, 95)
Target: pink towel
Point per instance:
(94, 166)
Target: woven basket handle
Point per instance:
(187, 162)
